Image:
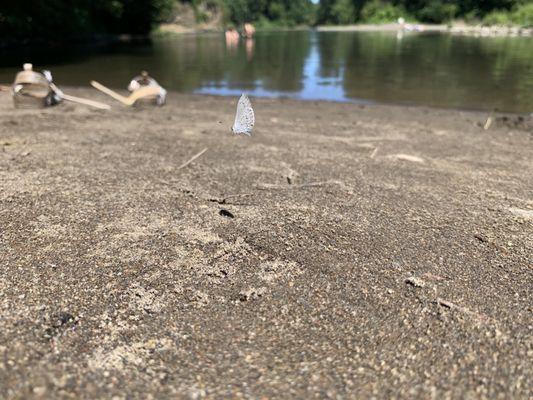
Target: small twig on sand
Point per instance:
(453, 306)
(173, 184)
(192, 159)
(270, 186)
(489, 120)
(488, 123)
(223, 200)
(464, 310)
(447, 304)
(416, 282)
(21, 153)
(194, 195)
(374, 152)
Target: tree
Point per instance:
(72, 19)
(286, 12)
(438, 11)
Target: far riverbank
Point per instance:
(458, 29)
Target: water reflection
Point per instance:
(429, 69)
(250, 46)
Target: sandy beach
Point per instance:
(343, 251)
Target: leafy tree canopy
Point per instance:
(72, 19)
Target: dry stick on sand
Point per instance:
(464, 310)
(192, 159)
(269, 186)
(488, 123)
(219, 200)
(224, 200)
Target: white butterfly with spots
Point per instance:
(245, 118)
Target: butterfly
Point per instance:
(244, 118)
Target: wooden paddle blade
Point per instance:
(87, 102)
(143, 91)
(109, 92)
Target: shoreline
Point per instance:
(371, 103)
(454, 29)
(458, 29)
(321, 255)
(175, 29)
(90, 41)
(523, 116)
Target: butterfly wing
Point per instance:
(244, 118)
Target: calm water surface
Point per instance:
(427, 69)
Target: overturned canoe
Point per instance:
(145, 80)
(31, 89)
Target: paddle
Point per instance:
(144, 91)
(87, 102)
(75, 99)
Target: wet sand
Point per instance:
(343, 251)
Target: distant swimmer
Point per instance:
(249, 30)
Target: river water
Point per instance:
(433, 69)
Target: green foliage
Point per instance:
(59, 19)
(500, 18)
(269, 12)
(339, 11)
(344, 12)
(523, 15)
(437, 12)
(433, 11)
(377, 11)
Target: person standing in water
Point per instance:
(249, 30)
(232, 37)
